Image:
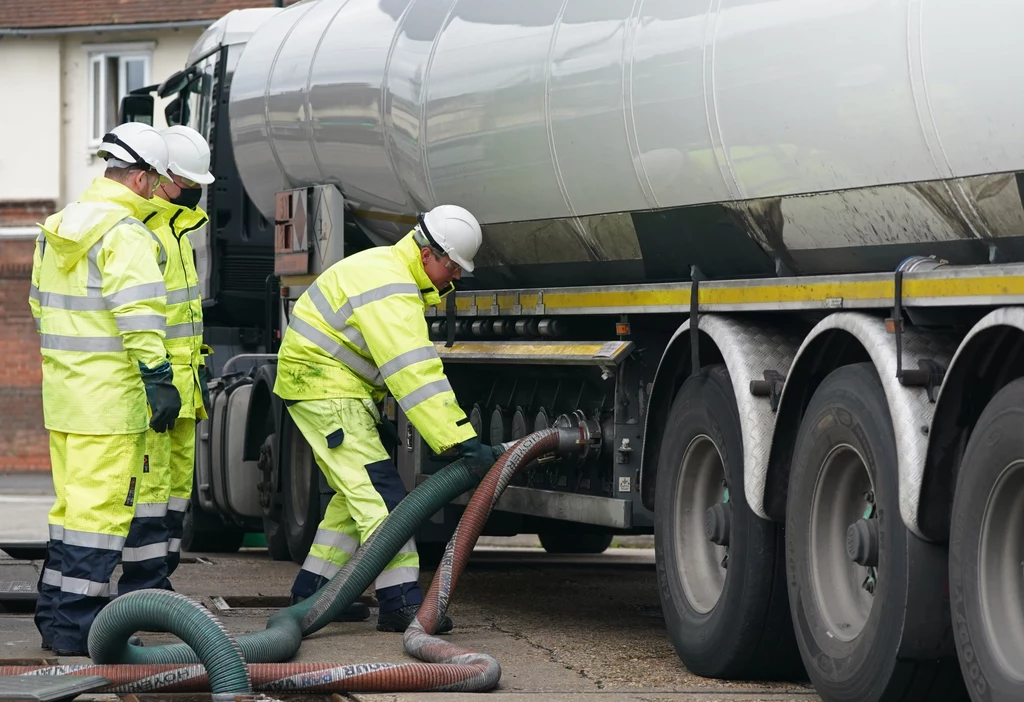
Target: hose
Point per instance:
(448, 668)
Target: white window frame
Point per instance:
(99, 53)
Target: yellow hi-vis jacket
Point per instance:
(184, 341)
(98, 299)
(360, 327)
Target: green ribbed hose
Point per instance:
(225, 658)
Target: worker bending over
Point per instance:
(153, 549)
(358, 331)
(98, 299)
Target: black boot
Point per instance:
(400, 619)
(356, 612)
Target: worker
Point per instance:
(153, 549)
(98, 300)
(358, 331)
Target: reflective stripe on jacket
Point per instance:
(360, 327)
(172, 223)
(98, 299)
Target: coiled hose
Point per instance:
(225, 669)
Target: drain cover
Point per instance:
(17, 585)
(48, 687)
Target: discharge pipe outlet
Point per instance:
(225, 660)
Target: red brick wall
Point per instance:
(24, 440)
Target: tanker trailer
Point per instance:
(769, 251)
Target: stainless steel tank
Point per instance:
(626, 140)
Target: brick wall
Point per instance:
(24, 440)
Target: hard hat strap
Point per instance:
(430, 239)
(111, 138)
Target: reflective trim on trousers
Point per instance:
(141, 322)
(174, 546)
(404, 360)
(151, 509)
(354, 362)
(52, 577)
(56, 532)
(396, 576)
(184, 330)
(93, 540)
(56, 342)
(144, 553)
(89, 588)
(177, 504)
(424, 393)
(318, 566)
(337, 540)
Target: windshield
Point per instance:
(201, 96)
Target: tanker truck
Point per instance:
(768, 253)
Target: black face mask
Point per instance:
(188, 197)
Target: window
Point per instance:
(113, 73)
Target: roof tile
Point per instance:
(40, 14)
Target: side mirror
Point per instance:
(136, 108)
(177, 111)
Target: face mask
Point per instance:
(188, 197)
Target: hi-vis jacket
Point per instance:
(360, 327)
(98, 299)
(184, 341)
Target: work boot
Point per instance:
(400, 619)
(356, 612)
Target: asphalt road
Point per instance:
(563, 628)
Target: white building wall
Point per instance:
(170, 49)
(30, 118)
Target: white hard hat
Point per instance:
(453, 230)
(135, 143)
(189, 154)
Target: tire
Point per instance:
(730, 623)
(300, 478)
(862, 641)
(430, 554)
(574, 542)
(985, 584)
(273, 516)
(203, 533)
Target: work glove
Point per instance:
(479, 456)
(164, 400)
(388, 432)
(205, 389)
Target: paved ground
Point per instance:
(563, 628)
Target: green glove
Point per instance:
(479, 456)
(205, 389)
(163, 397)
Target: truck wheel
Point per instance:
(203, 533)
(273, 516)
(866, 594)
(986, 551)
(574, 541)
(723, 597)
(300, 478)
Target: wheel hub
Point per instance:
(717, 524)
(862, 542)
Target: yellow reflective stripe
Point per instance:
(396, 576)
(95, 278)
(144, 553)
(51, 577)
(380, 293)
(404, 360)
(180, 295)
(56, 342)
(184, 330)
(93, 302)
(354, 362)
(80, 586)
(339, 319)
(151, 509)
(33, 292)
(136, 293)
(90, 539)
(177, 504)
(424, 393)
(319, 566)
(141, 322)
(336, 540)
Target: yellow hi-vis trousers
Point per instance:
(151, 547)
(346, 445)
(96, 480)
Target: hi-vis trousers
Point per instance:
(96, 481)
(152, 550)
(346, 445)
